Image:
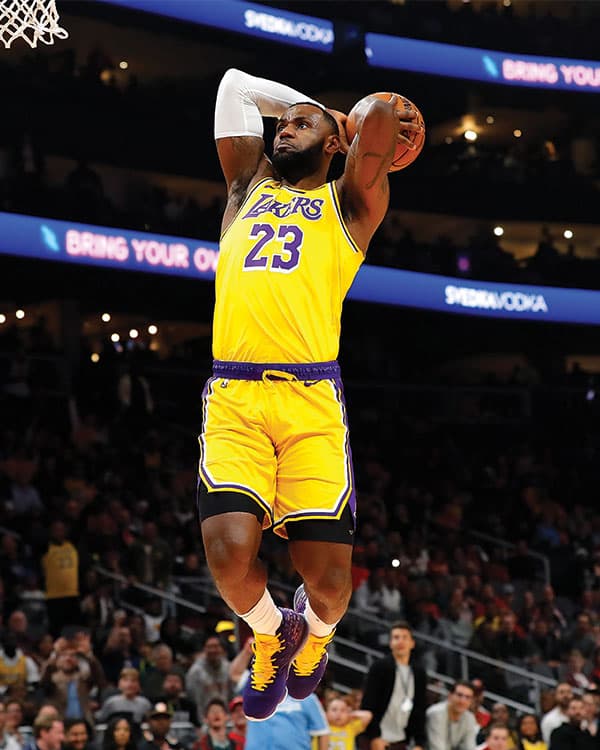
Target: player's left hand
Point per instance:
(341, 118)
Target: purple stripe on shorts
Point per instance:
(352, 497)
(256, 370)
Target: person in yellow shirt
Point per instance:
(345, 724)
(61, 572)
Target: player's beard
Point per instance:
(294, 165)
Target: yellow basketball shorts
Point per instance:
(279, 434)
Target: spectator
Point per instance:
(157, 737)
(529, 733)
(7, 742)
(238, 718)
(591, 709)
(482, 715)
(68, 681)
(182, 708)
(77, 735)
(61, 573)
(497, 737)
(570, 735)
(128, 701)
(558, 715)
(15, 667)
(595, 671)
(501, 715)
(150, 558)
(215, 734)
(14, 720)
(345, 725)
(449, 723)
(154, 675)
(208, 677)
(580, 638)
(395, 693)
(119, 651)
(572, 672)
(18, 625)
(291, 727)
(119, 735)
(49, 733)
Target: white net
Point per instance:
(32, 20)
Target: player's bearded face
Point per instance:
(295, 163)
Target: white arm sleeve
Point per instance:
(243, 100)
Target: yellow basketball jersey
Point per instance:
(285, 265)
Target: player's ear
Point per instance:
(332, 144)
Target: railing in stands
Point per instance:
(354, 658)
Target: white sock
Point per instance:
(315, 624)
(264, 617)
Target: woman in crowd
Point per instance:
(118, 735)
(529, 733)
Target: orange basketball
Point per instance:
(403, 156)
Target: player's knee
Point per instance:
(332, 584)
(229, 556)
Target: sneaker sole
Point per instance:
(253, 718)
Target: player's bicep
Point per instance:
(241, 157)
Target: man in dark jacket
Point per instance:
(395, 694)
(570, 736)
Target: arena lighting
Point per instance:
(20, 314)
(568, 234)
(395, 563)
(507, 3)
(106, 317)
(152, 330)
(498, 231)
(95, 357)
(115, 338)
(123, 64)
(490, 120)
(470, 135)
(2, 318)
(448, 140)
(133, 333)
(517, 133)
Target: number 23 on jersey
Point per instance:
(282, 256)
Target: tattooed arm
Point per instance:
(364, 188)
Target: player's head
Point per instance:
(306, 138)
(338, 712)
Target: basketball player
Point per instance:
(274, 447)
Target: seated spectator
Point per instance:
(573, 671)
(77, 735)
(591, 710)
(580, 638)
(49, 733)
(154, 675)
(119, 651)
(7, 742)
(497, 738)
(558, 715)
(238, 718)
(15, 667)
(128, 701)
(157, 736)
(482, 715)
(119, 735)
(529, 733)
(182, 708)
(571, 735)
(594, 675)
(18, 625)
(344, 723)
(450, 723)
(215, 734)
(208, 677)
(14, 720)
(501, 715)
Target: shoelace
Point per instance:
(263, 670)
(310, 657)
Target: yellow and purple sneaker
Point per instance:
(309, 666)
(270, 665)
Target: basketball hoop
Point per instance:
(32, 20)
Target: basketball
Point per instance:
(403, 156)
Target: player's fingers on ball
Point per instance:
(406, 142)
